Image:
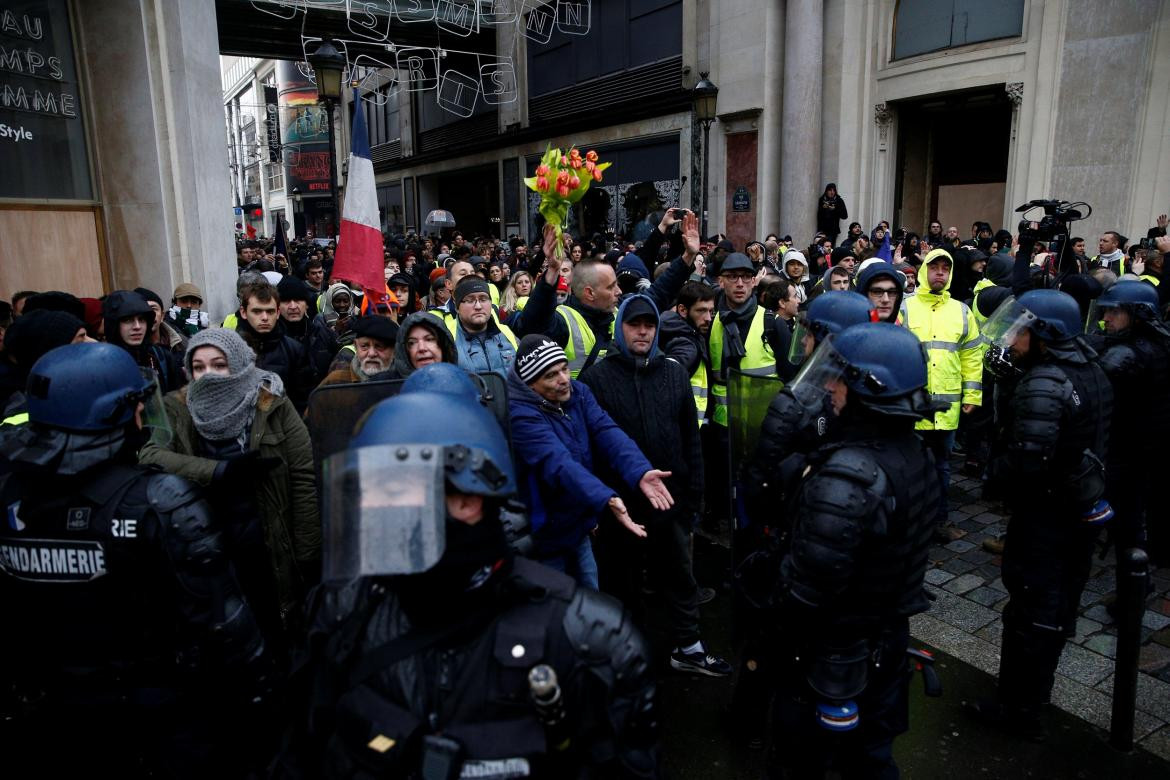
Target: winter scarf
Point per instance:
(221, 406)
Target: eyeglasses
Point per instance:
(738, 277)
(476, 300)
(884, 292)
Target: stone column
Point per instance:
(800, 147)
(158, 144)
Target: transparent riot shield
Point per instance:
(748, 397)
(335, 410)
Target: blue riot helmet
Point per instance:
(882, 365)
(385, 496)
(829, 312)
(1139, 298)
(441, 378)
(1051, 316)
(87, 388)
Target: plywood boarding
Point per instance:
(962, 204)
(46, 249)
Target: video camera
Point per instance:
(1057, 216)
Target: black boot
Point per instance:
(1018, 721)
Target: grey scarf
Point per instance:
(221, 406)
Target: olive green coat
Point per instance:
(286, 496)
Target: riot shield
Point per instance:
(335, 410)
(748, 397)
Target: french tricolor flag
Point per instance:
(359, 249)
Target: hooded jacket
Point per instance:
(558, 452)
(410, 305)
(122, 304)
(324, 340)
(650, 399)
(401, 368)
(947, 328)
(885, 270)
(802, 284)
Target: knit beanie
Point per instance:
(839, 254)
(468, 286)
(36, 332)
(150, 295)
(293, 289)
(536, 354)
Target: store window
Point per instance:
(43, 150)
(922, 26)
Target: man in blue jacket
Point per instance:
(559, 432)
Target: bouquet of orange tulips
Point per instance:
(562, 179)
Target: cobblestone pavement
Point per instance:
(965, 621)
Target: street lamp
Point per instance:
(296, 198)
(328, 65)
(703, 98)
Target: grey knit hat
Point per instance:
(239, 355)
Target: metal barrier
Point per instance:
(1132, 578)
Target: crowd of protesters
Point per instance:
(617, 357)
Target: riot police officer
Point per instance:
(124, 626)
(433, 650)
(794, 425)
(1136, 358)
(853, 571)
(1050, 471)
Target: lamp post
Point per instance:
(703, 98)
(328, 65)
(296, 198)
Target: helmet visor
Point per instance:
(1006, 323)
(818, 374)
(803, 342)
(384, 510)
(154, 415)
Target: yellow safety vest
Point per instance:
(16, 419)
(453, 326)
(699, 391)
(759, 360)
(581, 339)
(231, 321)
(1151, 279)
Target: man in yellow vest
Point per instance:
(738, 337)
(483, 344)
(583, 324)
(946, 327)
(738, 340)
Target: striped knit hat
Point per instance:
(535, 355)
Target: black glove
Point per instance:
(244, 469)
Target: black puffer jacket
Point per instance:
(650, 400)
(284, 356)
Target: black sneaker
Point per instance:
(699, 663)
